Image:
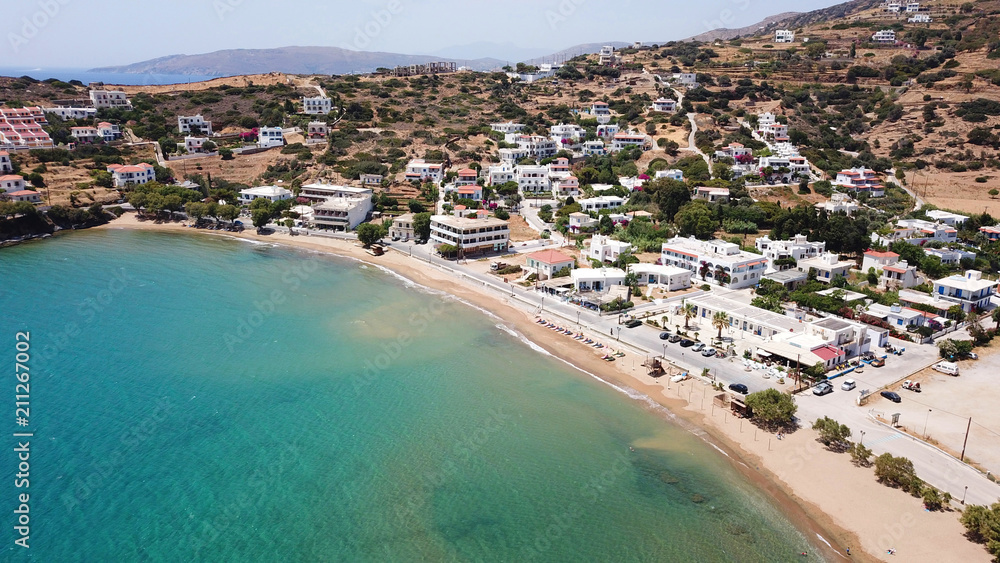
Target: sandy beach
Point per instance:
(836, 504)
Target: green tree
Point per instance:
(208, 146)
(196, 210)
(720, 320)
(260, 217)
(228, 212)
(226, 154)
(696, 219)
(368, 234)
(772, 407)
(415, 206)
(897, 472)
(860, 455)
(688, 312)
(422, 226)
(832, 434)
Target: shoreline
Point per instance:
(790, 480)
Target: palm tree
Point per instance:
(689, 313)
(720, 320)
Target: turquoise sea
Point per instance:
(204, 399)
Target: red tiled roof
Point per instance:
(22, 193)
(11, 178)
(550, 257)
(878, 254)
(827, 352)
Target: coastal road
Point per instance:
(932, 465)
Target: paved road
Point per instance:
(933, 466)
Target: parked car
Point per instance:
(674, 338)
(664, 335)
(698, 347)
(823, 388)
(848, 385)
(739, 388)
(892, 396)
(633, 323)
(708, 352)
(878, 362)
(686, 343)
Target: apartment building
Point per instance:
(110, 99)
(470, 236)
(715, 261)
(131, 174)
(197, 124)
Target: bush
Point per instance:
(898, 473)
(832, 434)
(860, 455)
(772, 407)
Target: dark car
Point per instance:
(664, 335)
(686, 343)
(633, 323)
(674, 338)
(739, 388)
(892, 396)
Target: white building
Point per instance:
(130, 175)
(912, 7)
(884, 36)
(670, 278)
(471, 236)
(594, 148)
(546, 263)
(11, 183)
(920, 18)
(688, 79)
(317, 106)
(878, 260)
(970, 291)
(73, 112)
(270, 193)
(784, 36)
(785, 168)
(597, 279)
(798, 248)
(507, 128)
(512, 156)
(918, 231)
(601, 111)
(607, 131)
(192, 144)
(665, 105)
(605, 249)
(108, 131)
(607, 56)
(533, 179)
(827, 266)
(564, 134)
(402, 228)
(946, 217)
(673, 174)
(861, 180)
(317, 132)
(581, 222)
(893, 6)
(194, 123)
(29, 196)
(106, 99)
(323, 192)
(498, 174)
(735, 151)
(900, 276)
(5, 163)
(896, 315)
(950, 257)
(371, 179)
(343, 213)
(711, 195)
(270, 137)
(85, 134)
(566, 186)
(423, 171)
(601, 202)
(713, 259)
(839, 203)
(536, 146)
(627, 140)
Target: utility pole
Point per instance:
(964, 443)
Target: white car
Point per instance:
(848, 385)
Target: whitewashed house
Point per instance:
(884, 36)
(270, 137)
(605, 249)
(108, 99)
(11, 183)
(133, 174)
(665, 105)
(784, 36)
(423, 171)
(710, 259)
(318, 105)
(270, 193)
(194, 124)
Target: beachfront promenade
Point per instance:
(932, 465)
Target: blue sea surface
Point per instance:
(86, 76)
(204, 399)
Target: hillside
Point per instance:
(290, 60)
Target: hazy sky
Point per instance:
(88, 33)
